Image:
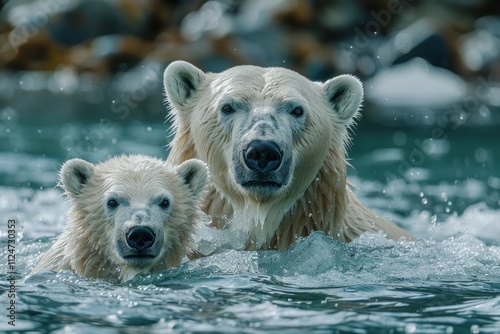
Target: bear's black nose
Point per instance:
(140, 237)
(262, 156)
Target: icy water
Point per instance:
(445, 191)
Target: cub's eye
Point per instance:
(112, 203)
(227, 109)
(297, 111)
(164, 204)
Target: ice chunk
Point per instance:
(416, 84)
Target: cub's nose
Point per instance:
(262, 156)
(140, 237)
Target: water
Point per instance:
(448, 281)
(370, 285)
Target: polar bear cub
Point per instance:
(130, 214)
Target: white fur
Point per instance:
(345, 93)
(262, 101)
(89, 243)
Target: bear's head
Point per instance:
(264, 132)
(135, 213)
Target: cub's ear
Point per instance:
(345, 94)
(74, 174)
(195, 174)
(181, 80)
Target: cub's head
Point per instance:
(264, 132)
(136, 212)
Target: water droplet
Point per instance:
(421, 194)
(399, 138)
(149, 128)
(410, 328)
(39, 131)
(481, 155)
(114, 141)
(424, 200)
(310, 215)
(112, 317)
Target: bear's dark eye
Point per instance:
(297, 111)
(164, 204)
(112, 203)
(227, 109)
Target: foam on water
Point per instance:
(478, 220)
(372, 259)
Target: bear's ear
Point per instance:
(345, 94)
(181, 80)
(195, 174)
(74, 174)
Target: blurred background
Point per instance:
(83, 78)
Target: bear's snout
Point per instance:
(263, 156)
(140, 238)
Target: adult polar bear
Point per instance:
(275, 145)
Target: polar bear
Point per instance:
(275, 145)
(130, 214)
